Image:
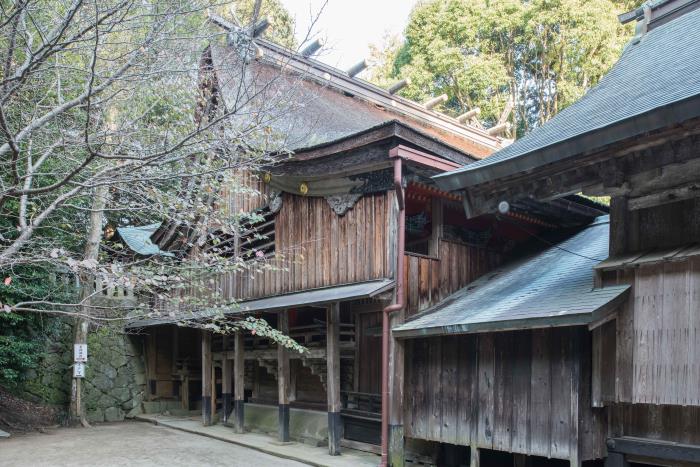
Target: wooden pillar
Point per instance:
(474, 457)
(396, 388)
(333, 378)
(437, 223)
(206, 378)
(619, 225)
(283, 379)
(238, 383)
(226, 382)
(615, 459)
(520, 460)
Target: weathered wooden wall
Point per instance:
(318, 248)
(429, 280)
(525, 392)
(658, 334)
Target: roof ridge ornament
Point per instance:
(312, 48)
(242, 38)
(642, 23)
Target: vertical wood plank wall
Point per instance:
(318, 248)
(509, 391)
(429, 280)
(658, 334)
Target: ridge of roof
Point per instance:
(339, 80)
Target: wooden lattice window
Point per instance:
(255, 240)
(258, 235)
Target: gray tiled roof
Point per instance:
(655, 83)
(551, 288)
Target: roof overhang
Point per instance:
(562, 152)
(555, 320)
(393, 129)
(311, 297)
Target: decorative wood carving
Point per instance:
(343, 203)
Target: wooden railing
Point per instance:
(361, 403)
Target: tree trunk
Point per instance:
(87, 281)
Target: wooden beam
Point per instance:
(226, 384)
(654, 449)
(283, 379)
(238, 382)
(333, 378)
(669, 195)
(206, 378)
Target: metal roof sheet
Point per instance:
(309, 297)
(138, 239)
(654, 84)
(551, 288)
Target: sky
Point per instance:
(349, 26)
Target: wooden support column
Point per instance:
(619, 225)
(206, 378)
(437, 223)
(474, 457)
(333, 378)
(396, 387)
(238, 383)
(226, 382)
(520, 460)
(616, 459)
(283, 379)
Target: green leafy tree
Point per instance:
(542, 54)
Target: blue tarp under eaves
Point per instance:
(138, 239)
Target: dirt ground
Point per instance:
(127, 444)
(19, 415)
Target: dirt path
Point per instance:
(127, 444)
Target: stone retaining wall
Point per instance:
(115, 380)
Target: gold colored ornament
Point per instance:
(303, 188)
(267, 176)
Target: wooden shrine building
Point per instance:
(587, 350)
(357, 233)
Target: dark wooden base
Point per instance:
(206, 410)
(335, 433)
(226, 406)
(238, 416)
(396, 446)
(283, 428)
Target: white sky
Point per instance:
(349, 26)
